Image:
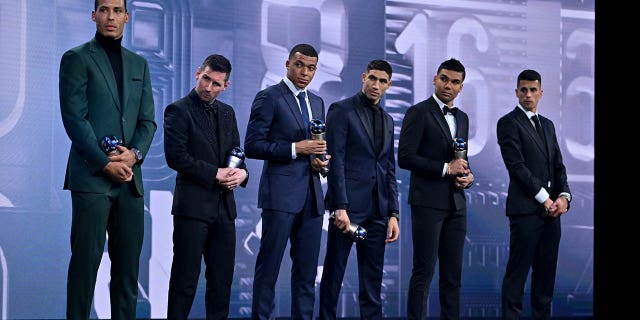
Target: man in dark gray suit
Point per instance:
(200, 131)
(361, 189)
(538, 194)
(105, 91)
(290, 193)
(436, 191)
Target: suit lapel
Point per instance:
(293, 107)
(200, 118)
(126, 76)
(360, 110)
(388, 121)
(530, 129)
(102, 62)
(439, 117)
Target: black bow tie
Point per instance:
(453, 110)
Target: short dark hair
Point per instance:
(217, 62)
(529, 75)
(380, 65)
(454, 65)
(95, 5)
(305, 49)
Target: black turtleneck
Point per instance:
(113, 48)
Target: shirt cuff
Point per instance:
(542, 195)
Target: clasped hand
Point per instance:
(118, 168)
(230, 178)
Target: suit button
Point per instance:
(373, 177)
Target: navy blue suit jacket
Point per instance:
(275, 123)
(530, 164)
(355, 167)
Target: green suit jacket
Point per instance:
(91, 109)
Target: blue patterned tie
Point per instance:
(303, 108)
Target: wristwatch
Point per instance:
(137, 153)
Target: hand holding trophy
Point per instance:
(110, 145)
(460, 150)
(317, 128)
(356, 231)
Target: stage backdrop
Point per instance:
(494, 39)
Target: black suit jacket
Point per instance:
(425, 145)
(197, 155)
(355, 167)
(531, 164)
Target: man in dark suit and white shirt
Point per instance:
(199, 133)
(361, 189)
(436, 191)
(290, 192)
(538, 194)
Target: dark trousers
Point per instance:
(303, 229)
(533, 245)
(437, 235)
(120, 214)
(370, 266)
(194, 239)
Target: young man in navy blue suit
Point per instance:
(362, 189)
(436, 191)
(290, 192)
(538, 194)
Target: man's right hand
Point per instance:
(118, 171)
(341, 220)
(458, 167)
(311, 147)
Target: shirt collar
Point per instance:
(527, 112)
(292, 87)
(440, 103)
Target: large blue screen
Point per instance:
(494, 39)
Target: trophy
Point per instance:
(236, 157)
(109, 145)
(460, 149)
(317, 129)
(357, 232)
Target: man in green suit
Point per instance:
(105, 90)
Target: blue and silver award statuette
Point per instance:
(317, 129)
(236, 158)
(357, 232)
(109, 145)
(460, 149)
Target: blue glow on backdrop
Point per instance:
(494, 39)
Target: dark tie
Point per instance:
(536, 122)
(211, 111)
(303, 108)
(377, 128)
(453, 110)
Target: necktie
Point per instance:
(536, 122)
(303, 108)
(453, 110)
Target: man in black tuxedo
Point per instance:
(538, 195)
(361, 189)
(105, 91)
(199, 133)
(290, 193)
(438, 178)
